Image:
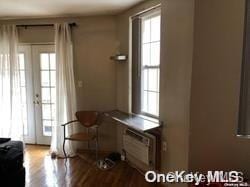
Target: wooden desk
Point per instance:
(134, 121)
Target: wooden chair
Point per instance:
(91, 121)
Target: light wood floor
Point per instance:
(42, 171)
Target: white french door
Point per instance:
(38, 84)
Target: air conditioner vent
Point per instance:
(137, 145)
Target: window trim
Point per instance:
(135, 106)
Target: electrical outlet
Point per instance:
(164, 146)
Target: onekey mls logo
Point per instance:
(231, 178)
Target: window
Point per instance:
(146, 63)
(150, 66)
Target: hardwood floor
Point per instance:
(42, 171)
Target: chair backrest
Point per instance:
(87, 118)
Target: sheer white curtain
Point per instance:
(66, 99)
(11, 124)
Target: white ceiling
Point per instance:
(58, 8)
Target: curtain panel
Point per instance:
(12, 124)
(65, 90)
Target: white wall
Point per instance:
(175, 81)
(218, 46)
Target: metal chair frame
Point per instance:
(95, 125)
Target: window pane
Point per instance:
(146, 54)
(155, 28)
(21, 61)
(145, 79)
(46, 111)
(23, 95)
(158, 80)
(53, 111)
(153, 80)
(22, 78)
(47, 128)
(152, 103)
(145, 101)
(146, 31)
(24, 111)
(44, 61)
(52, 58)
(24, 119)
(155, 54)
(53, 95)
(53, 78)
(25, 127)
(45, 78)
(45, 95)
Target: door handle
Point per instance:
(36, 102)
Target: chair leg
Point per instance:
(88, 134)
(64, 152)
(97, 144)
(64, 139)
(97, 147)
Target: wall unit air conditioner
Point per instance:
(141, 146)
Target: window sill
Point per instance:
(134, 121)
(149, 118)
(243, 136)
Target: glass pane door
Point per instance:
(45, 91)
(26, 83)
(37, 68)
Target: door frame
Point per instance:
(33, 86)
